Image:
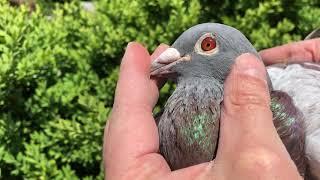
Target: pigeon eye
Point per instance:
(208, 44)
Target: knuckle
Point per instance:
(146, 167)
(315, 50)
(258, 161)
(249, 91)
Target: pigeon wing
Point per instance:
(302, 83)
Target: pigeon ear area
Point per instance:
(207, 45)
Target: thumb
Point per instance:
(248, 138)
(246, 99)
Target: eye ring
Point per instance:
(206, 44)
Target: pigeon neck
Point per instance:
(202, 87)
(197, 80)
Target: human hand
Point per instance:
(249, 146)
(302, 51)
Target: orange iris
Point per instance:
(208, 44)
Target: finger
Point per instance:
(132, 131)
(159, 82)
(246, 90)
(134, 83)
(303, 51)
(106, 130)
(248, 137)
(201, 171)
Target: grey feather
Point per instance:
(189, 126)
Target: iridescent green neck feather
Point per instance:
(189, 125)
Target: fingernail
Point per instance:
(164, 45)
(127, 50)
(250, 65)
(129, 44)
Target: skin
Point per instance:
(302, 51)
(131, 141)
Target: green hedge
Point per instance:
(59, 67)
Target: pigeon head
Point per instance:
(205, 51)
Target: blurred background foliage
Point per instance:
(59, 65)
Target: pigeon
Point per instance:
(199, 62)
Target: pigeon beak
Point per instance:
(162, 65)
